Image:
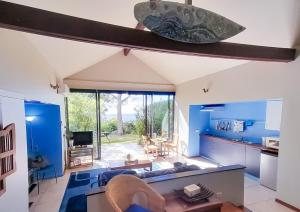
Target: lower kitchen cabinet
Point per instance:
(222, 152)
(226, 152)
(210, 149)
(253, 161)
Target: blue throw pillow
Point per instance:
(157, 173)
(178, 164)
(137, 208)
(186, 168)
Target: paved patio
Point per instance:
(119, 151)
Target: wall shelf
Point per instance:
(7, 154)
(78, 153)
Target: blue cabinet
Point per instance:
(226, 152)
(44, 136)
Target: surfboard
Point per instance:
(185, 23)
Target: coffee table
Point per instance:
(176, 204)
(122, 164)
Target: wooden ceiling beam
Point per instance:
(42, 22)
(139, 26)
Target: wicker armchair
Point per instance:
(124, 190)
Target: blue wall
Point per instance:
(205, 122)
(198, 123)
(46, 133)
(254, 111)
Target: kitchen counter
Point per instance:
(243, 142)
(225, 152)
(270, 150)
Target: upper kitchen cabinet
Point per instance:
(273, 114)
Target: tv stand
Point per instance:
(81, 146)
(78, 156)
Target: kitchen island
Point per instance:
(83, 193)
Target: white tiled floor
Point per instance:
(257, 197)
(261, 199)
(50, 196)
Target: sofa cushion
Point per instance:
(177, 164)
(186, 168)
(136, 208)
(178, 167)
(105, 177)
(157, 173)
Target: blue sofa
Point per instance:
(106, 176)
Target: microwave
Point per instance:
(272, 142)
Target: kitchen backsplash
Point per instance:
(241, 121)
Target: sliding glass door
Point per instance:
(120, 125)
(119, 119)
(160, 119)
(82, 116)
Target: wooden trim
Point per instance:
(8, 153)
(287, 205)
(42, 22)
(2, 177)
(244, 208)
(129, 86)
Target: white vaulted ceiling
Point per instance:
(268, 22)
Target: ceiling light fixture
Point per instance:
(30, 118)
(185, 22)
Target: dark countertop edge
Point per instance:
(258, 146)
(269, 153)
(178, 175)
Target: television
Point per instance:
(83, 138)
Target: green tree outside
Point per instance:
(82, 116)
(82, 112)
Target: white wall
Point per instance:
(16, 196)
(254, 81)
(119, 72)
(23, 70)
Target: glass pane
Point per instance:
(82, 115)
(160, 113)
(122, 125)
(171, 121)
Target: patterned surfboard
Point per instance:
(185, 23)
